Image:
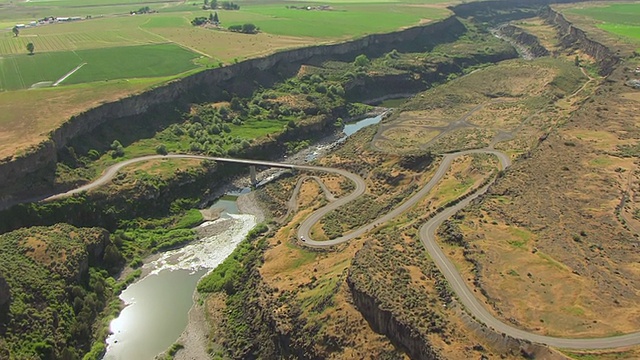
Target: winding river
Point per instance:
(157, 305)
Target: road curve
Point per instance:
(480, 312)
(304, 231)
(111, 171)
(426, 233)
(292, 204)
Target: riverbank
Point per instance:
(195, 336)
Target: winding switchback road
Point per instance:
(462, 291)
(426, 233)
(304, 231)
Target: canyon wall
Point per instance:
(387, 323)
(528, 44)
(212, 85)
(574, 37)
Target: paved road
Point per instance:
(463, 292)
(426, 232)
(480, 312)
(304, 231)
(108, 174)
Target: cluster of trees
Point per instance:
(143, 10)
(117, 150)
(226, 5)
(245, 28)
(202, 20)
(208, 129)
(54, 305)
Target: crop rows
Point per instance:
(73, 41)
(102, 64)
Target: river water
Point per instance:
(157, 305)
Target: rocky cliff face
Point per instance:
(494, 10)
(210, 84)
(574, 37)
(384, 322)
(403, 336)
(527, 44)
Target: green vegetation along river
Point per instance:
(157, 305)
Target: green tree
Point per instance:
(200, 20)
(118, 149)
(362, 61)
(236, 104)
(161, 149)
(215, 20)
(16, 31)
(30, 48)
(249, 28)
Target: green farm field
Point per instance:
(619, 19)
(345, 20)
(22, 71)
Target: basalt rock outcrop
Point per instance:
(575, 37)
(526, 43)
(385, 322)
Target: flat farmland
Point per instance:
(84, 34)
(619, 19)
(20, 11)
(343, 20)
(22, 71)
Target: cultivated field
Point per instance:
(620, 19)
(25, 71)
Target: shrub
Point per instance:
(161, 149)
(361, 61)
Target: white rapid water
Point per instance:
(157, 305)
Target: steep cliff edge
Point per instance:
(211, 85)
(54, 298)
(575, 37)
(527, 44)
(503, 11)
(385, 322)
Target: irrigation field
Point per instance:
(619, 19)
(62, 46)
(343, 20)
(22, 71)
